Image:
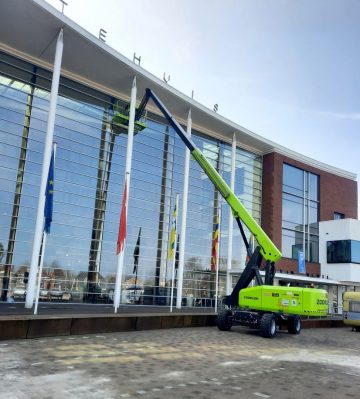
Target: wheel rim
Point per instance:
(297, 325)
(272, 327)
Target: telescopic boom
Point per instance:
(268, 249)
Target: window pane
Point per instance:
(338, 215)
(313, 218)
(292, 212)
(338, 251)
(300, 212)
(355, 251)
(292, 242)
(314, 187)
(313, 256)
(354, 306)
(293, 180)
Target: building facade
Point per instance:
(287, 193)
(296, 197)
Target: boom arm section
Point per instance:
(268, 249)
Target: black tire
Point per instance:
(224, 319)
(268, 325)
(294, 325)
(357, 329)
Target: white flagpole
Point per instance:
(174, 255)
(42, 252)
(231, 219)
(119, 272)
(44, 173)
(120, 265)
(183, 218)
(40, 272)
(217, 262)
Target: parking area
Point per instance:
(184, 363)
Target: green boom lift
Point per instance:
(264, 306)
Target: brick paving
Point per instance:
(184, 363)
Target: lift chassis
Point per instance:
(264, 306)
(266, 322)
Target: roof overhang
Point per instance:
(87, 59)
(303, 279)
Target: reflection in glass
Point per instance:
(80, 255)
(160, 268)
(343, 251)
(355, 251)
(338, 251)
(300, 215)
(216, 206)
(18, 187)
(103, 176)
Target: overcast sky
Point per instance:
(288, 70)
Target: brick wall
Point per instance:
(337, 194)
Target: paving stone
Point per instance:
(184, 363)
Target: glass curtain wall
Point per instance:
(300, 213)
(80, 257)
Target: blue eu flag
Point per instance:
(48, 210)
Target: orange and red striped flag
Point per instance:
(215, 246)
(122, 225)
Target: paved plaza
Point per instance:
(184, 363)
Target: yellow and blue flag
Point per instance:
(49, 195)
(172, 244)
(215, 245)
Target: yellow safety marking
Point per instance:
(75, 347)
(156, 350)
(168, 356)
(112, 359)
(85, 353)
(193, 354)
(214, 347)
(247, 352)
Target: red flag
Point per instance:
(122, 226)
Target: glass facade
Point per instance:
(343, 251)
(80, 256)
(300, 213)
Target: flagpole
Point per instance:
(120, 265)
(231, 219)
(119, 271)
(217, 262)
(46, 226)
(40, 272)
(135, 285)
(174, 255)
(136, 260)
(183, 218)
(45, 168)
(117, 293)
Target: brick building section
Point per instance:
(337, 194)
